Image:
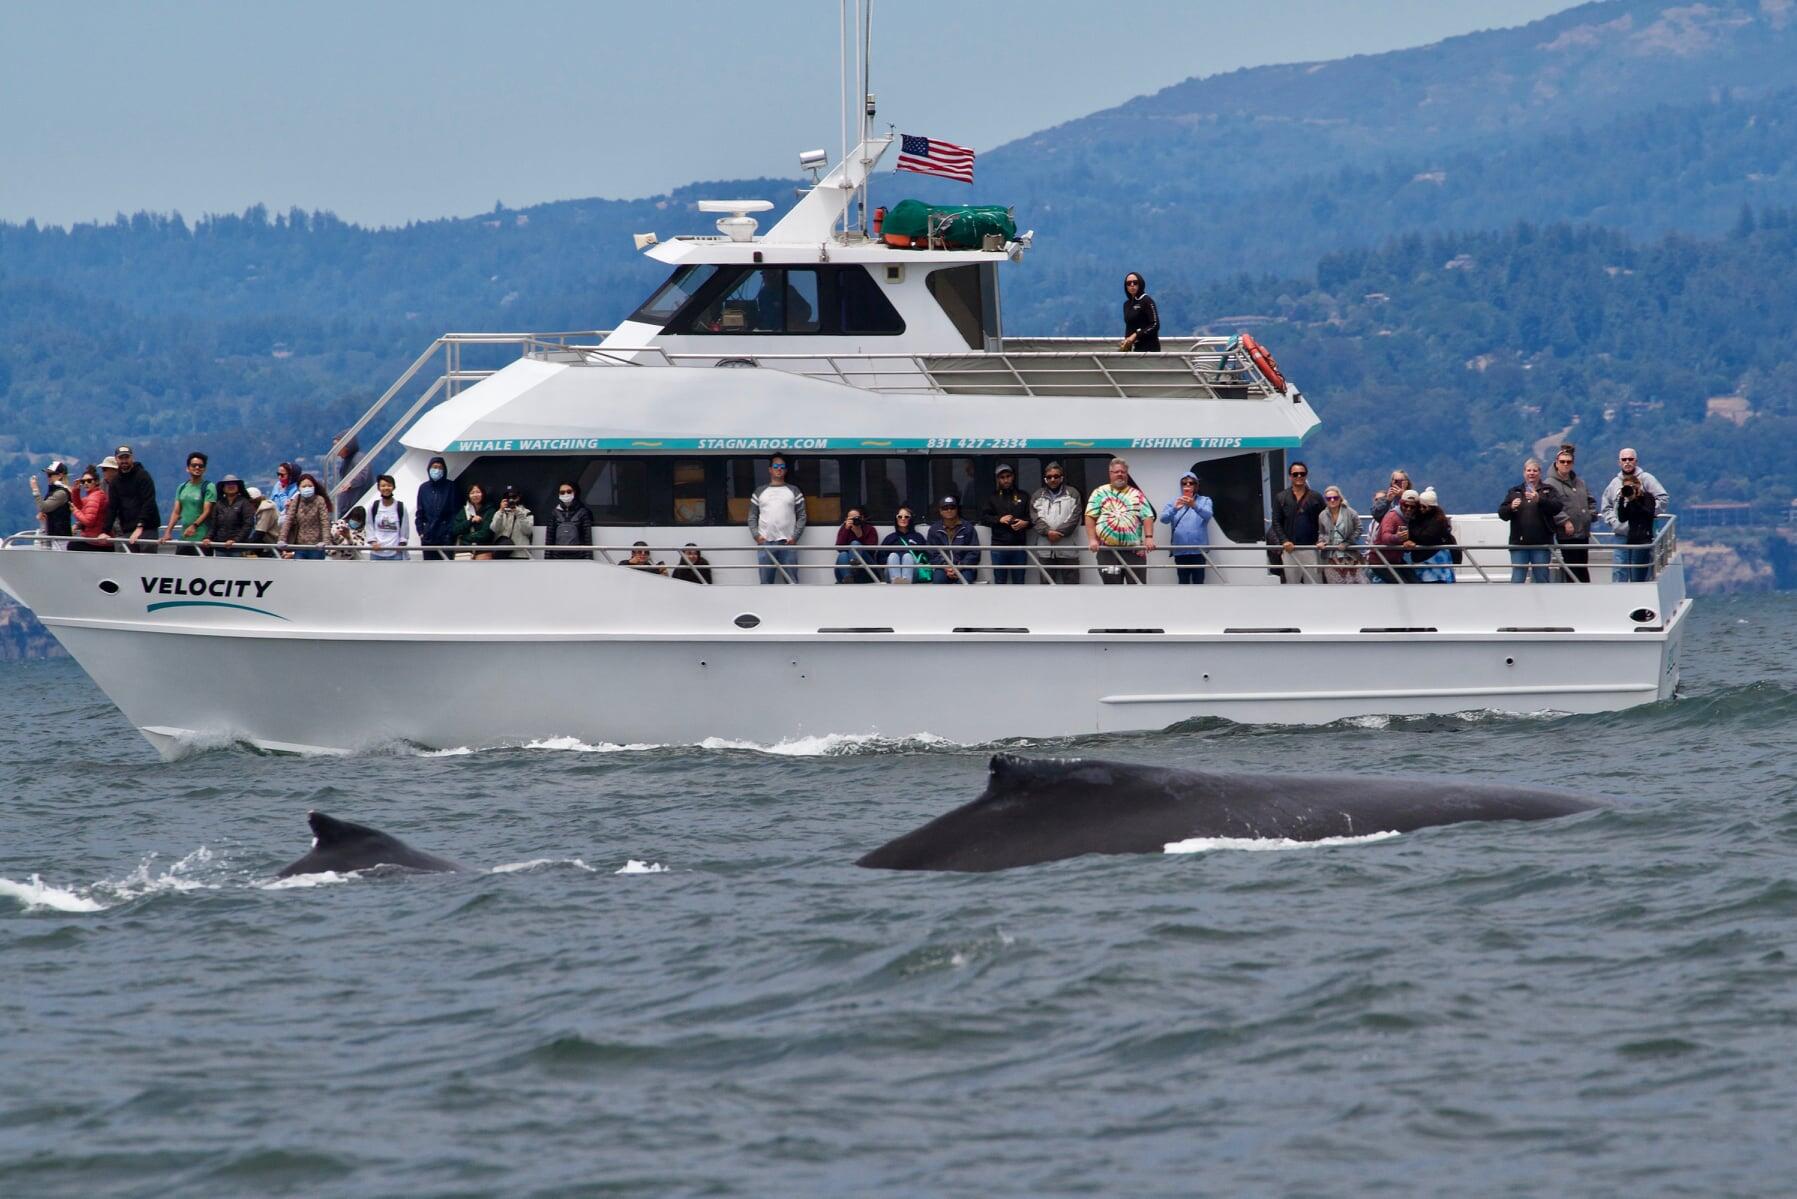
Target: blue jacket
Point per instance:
(434, 513)
(965, 534)
(1191, 526)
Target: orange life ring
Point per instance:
(1263, 361)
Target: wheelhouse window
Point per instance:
(762, 300)
(958, 289)
(668, 299)
(861, 306)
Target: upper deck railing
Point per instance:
(1198, 368)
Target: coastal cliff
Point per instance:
(22, 637)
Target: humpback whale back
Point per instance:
(1043, 810)
(340, 846)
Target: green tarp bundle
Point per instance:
(961, 226)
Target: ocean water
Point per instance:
(667, 978)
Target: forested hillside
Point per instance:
(1277, 199)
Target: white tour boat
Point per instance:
(885, 375)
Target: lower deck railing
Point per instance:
(1599, 561)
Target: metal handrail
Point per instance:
(1249, 558)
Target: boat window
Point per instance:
(1234, 486)
(956, 477)
(957, 289)
(762, 300)
(681, 286)
(819, 478)
(689, 491)
(617, 490)
(862, 307)
(884, 487)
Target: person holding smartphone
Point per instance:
(1534, 513)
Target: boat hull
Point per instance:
(444, 655)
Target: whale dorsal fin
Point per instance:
(328, 831)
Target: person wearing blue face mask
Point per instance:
(434, 513)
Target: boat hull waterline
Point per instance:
(437, 655)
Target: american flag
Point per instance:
(933, 156)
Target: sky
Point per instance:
(385, 111)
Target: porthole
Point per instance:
(1642, 615)
(747, 620)
(109, 587)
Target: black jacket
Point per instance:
(1007, 503)
(1141, 317)
(234, 521)
(569, 526)
(131, 499)
(1294, 521)
(434, 513)
(693, 572)
(1536, 522)
(1638, 513)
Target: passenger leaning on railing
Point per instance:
(1431, 541)
(88, 505)
(1056, 512)
(307, 526)
(958, 558)
(133, 501)
(1120, 526)
(191, 512)
(349, 536)
(233, 520)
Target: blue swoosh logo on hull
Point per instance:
(210, 604)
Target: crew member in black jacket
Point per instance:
(131, 499)
(1294, 528)
(1141, 319)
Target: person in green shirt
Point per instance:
(192, 510)
(1120, 527)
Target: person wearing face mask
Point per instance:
(349, 536)
(433, 515)
(306, 529)
(570, 523)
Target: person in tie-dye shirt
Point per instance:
(1120, 527)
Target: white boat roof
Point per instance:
(536, 406)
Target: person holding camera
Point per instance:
(851, 561)
(1631, 501)
(514, 524)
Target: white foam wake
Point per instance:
(515, 867)
(633, 866)
(1207, 844)
(37, 895)
(823, 745)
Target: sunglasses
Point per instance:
(777, 466)
(1300, 474)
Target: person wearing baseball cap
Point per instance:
(53, 502)
(131, 499)
(1007, 514)
(959, 564)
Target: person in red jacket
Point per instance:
(89, 507)
(851, 560)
